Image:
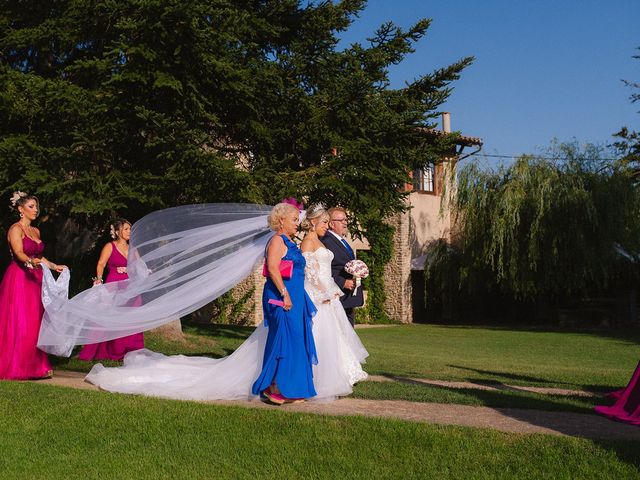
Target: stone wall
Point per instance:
(243, 308)
(247, 298)
(397, 273)
(254, 281)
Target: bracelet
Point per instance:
(29, 263)
(97, 279)
(283, 291)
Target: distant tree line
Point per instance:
(547, 230)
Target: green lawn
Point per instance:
(49, 432)
(595, 361)
(57, 433)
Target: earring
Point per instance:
(21, 215)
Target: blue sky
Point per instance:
(544, 69)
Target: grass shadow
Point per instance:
(508, 376)
(627, 452)
(592, 388)
(626, 335)
(225, 352)
(222, 331)
(502, 397)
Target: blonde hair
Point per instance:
(336, 209)
(277, 213)
(316, 211)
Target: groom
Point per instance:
(342, 253)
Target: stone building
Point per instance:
(425, 221)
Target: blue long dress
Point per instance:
(290, 350)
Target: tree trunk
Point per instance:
(170, 331)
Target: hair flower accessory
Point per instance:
(17, 196)
(359, 270)
(112, 231)
(294, 202)
(298, 205)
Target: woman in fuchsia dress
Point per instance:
(114, 258)
(21, 306)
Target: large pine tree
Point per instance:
(132, 105)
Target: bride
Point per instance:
(339, 349)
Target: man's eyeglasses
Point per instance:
(341, 220)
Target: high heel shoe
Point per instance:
(274, 398)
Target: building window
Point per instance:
(423, 179)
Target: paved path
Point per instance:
(512, 420)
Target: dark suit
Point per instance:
(340, 258)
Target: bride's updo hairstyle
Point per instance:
(315, 212)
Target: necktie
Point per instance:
(344, 242)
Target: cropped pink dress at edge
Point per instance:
(21, 313)
(627, 402)
(113, 349)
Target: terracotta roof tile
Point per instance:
(460, 140)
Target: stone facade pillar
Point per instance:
(245, 307)
(252, 309)
(397, 273)
(258, 285)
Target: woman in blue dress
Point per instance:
(290, 351)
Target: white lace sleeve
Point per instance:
(313, 284)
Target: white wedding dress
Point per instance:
(339, 350)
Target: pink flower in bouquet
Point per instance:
(359, 270)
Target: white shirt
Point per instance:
(335, 235)
(341, 239)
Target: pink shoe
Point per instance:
(274, 398)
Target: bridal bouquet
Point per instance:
(359, 270)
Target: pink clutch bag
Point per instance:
(286, 269)
(278, 303)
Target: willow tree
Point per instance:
(550, 228)
(628, 140)
(133, 105)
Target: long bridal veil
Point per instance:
(180, 259)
